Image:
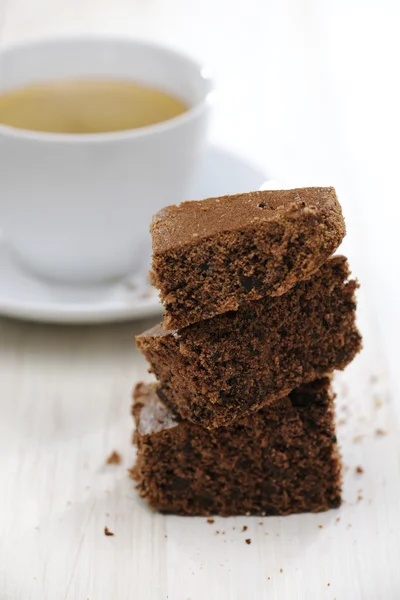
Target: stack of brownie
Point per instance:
(258, 314)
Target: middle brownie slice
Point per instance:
(217, 370)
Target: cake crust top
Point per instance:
(177, 225)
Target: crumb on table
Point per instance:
(380, 432)
(114, 458)
(107, 532)
(248, 541)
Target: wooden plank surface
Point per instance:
(65, 406)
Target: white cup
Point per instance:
(77, 207)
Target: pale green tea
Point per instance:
(87, 106)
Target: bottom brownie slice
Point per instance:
(280, 460)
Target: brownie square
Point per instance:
(217, 370)
(211, 256)
(276, 461)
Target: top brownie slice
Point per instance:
(211, 256)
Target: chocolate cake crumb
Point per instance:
(359, 470)
(107, 532)
(114, 458)
(244, 528)
(248, 541)
(211, 521)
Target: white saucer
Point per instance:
(25, 297)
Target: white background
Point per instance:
(310, 91)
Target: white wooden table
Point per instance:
(316, 88)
